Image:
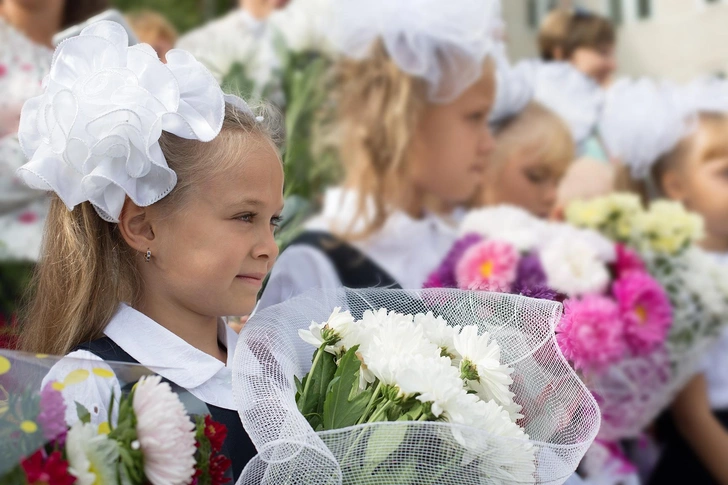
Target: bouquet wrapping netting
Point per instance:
(560, 415)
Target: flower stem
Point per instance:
(380, 412)
(375, 394)
(316, 360)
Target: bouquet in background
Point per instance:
(438, 386)
(613, 309)
(145, 437)
(624, 297)
(664, 235)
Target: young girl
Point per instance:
(159, 229)
(533, 150)
(674, 143)
(415, 91)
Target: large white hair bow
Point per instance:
(93, 135)
(641, 121)
(566, 91)
(443, 42)
(645, 119)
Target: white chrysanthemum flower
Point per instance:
(165, 432)
(511, 459)
(92, 457)
(438, 331)
(707, 280)
(504, 223)
(436, 381)
(388, 340)
(573, 266)
(334, 331)
(482, 370)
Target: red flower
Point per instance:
(219, 465)
(3, 70)
(28, 217)
(216, 433)
(51, 471)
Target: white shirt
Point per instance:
(716, 362)
(407, 249)
(155, 348)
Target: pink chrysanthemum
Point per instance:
(590, 333)
(488, 266)
(627, 261)
(645, 309)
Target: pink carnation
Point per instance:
(590, 333)
(628, 260)
(645, 309)
(488, 266)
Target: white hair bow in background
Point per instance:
(644, 119)
(93, 135)
(513, 88)
(443, 42)
(566, 91)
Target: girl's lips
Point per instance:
(254, 278)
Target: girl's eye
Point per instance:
(249, 217)
(276, 221)
(536, 178)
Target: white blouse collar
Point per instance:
(341, 205)
(165, 353)
(407, 248)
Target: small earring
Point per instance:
(148, 257)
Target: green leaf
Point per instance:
(83, 414)
(311, 402)
(383, 441)
(345, 403)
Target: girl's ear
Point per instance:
(672, 183)
(136, 227)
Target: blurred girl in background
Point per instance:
(415, 89)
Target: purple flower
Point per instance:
(52, 412)
(444, 275)
(531, 279)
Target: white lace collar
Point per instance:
(168, 355)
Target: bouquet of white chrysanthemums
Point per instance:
(437, 386)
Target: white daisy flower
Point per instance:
(333, 332)
(482, 370)
(92, 457)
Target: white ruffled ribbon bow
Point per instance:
(93, 135)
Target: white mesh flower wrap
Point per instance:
(567, 92)
(560, 416)
(644, 119)
(513, 89)
(444, 43)
(93, 135)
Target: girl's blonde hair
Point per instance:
(707, 142)
(86, 268)
(379, 109)
(536, 131)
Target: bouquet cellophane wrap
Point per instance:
(560, 415)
